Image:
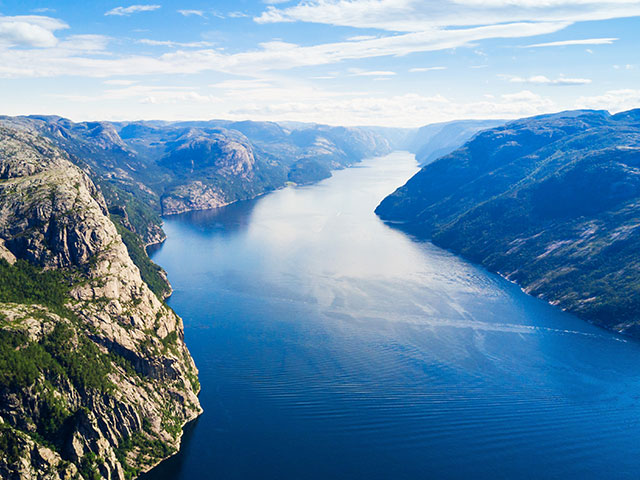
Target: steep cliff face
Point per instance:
(549, 202)
(95, 378)
(123, 176)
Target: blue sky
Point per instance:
(348, 62)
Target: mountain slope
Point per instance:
(95, 379)
(551, 203)
(435, 140)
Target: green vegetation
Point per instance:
(89, 467)
(27, 284)
(58, 360)
(141, 208)
(148, 450)
(9, 444)
(308, 171)
(22, 361)
(170, 422)
(83, 362)
(193, 379)
(61, 355)
(150, 272)
(54, 418)
(170, 341)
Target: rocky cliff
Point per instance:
(210, 169)
(95, 378)
(552, 203)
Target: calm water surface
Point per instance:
(333, 347)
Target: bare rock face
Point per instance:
(224, 166)
(50, 214)
(193, 196)
(113, 368)
(5, 254)
(229, 156)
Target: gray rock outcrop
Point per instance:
(113, 366)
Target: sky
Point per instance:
(401, 63)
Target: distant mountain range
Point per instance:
(550, 202)
(147, 169)
(151, 168)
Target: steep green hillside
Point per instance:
(551, 203)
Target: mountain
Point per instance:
(120, 172)
(149, 169)
(437, 139)
(95, 378)
(552, 203)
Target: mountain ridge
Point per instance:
(550, 202)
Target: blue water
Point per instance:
(331, 346)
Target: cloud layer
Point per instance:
(125, 11)
(29, 31)
(438, 58)
(419, 15)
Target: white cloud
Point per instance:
(273, 55)
(236, 85)
(84, 43)
(119, 82)
(564, 43)
(281, 55)
(356, 72)
(29, 31)
(401, 110)
(171, 44)
(612, 100)
(523, 96)
(125, 11)
(543, 80)
(147, 94)
(256, 89)
(425, 69)
(419, 15)
(359, 38)
(278, 98)
(187, 13)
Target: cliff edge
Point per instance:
(95, 378)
